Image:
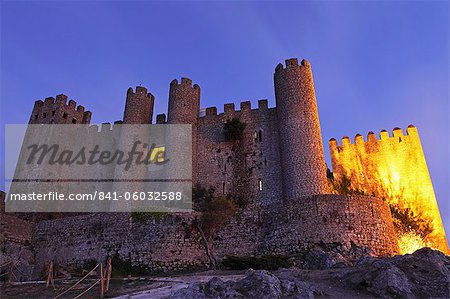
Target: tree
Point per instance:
(216, 212)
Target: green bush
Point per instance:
(144, 216)
(268, 262)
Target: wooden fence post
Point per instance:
(109, 269)
(49, 273)
(102, 281)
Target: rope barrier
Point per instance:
(77, 282)
(87, 290)
(20, 271)
(104, 280)
(12, 267)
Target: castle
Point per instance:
(278, 166)
(288, 159)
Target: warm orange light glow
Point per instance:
(410, 242)
(393, 168)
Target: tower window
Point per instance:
(257, 136)
(260, 184)
(65, 115)
(74, 121)
(44, 115)
(36, 117)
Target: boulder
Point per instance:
(391, 282)
(259, 284)
(318, 259)
(425, 273)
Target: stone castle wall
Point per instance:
(248, 168)
(159, 244)
(393, 167)
(172, 244)
(328, 219)
(15, 244)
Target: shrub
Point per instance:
(233, 129)
(124, 267)
(202, 197)
(144, 216)
(344, 186)
(406, 221)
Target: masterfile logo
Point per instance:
(78, 168)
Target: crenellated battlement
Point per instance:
(57, 110)
(61, 100)
(140, 91)
(229, 109)
(184, 82)
(105, 128)
(396, 135)
(292, 63)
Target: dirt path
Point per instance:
(176, 283)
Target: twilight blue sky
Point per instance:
(377, 65)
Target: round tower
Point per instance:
(302, 157)
(138, 106)
(184, 108)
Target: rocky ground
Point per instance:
(424, 274)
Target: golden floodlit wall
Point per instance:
(393, 168)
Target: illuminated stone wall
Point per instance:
(392, 167)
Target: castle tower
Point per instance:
(392, 166)
(301, 150)
(138, 106)
(138, 111)
(57, 111)
(184, 108)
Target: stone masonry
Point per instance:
(277, 167)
